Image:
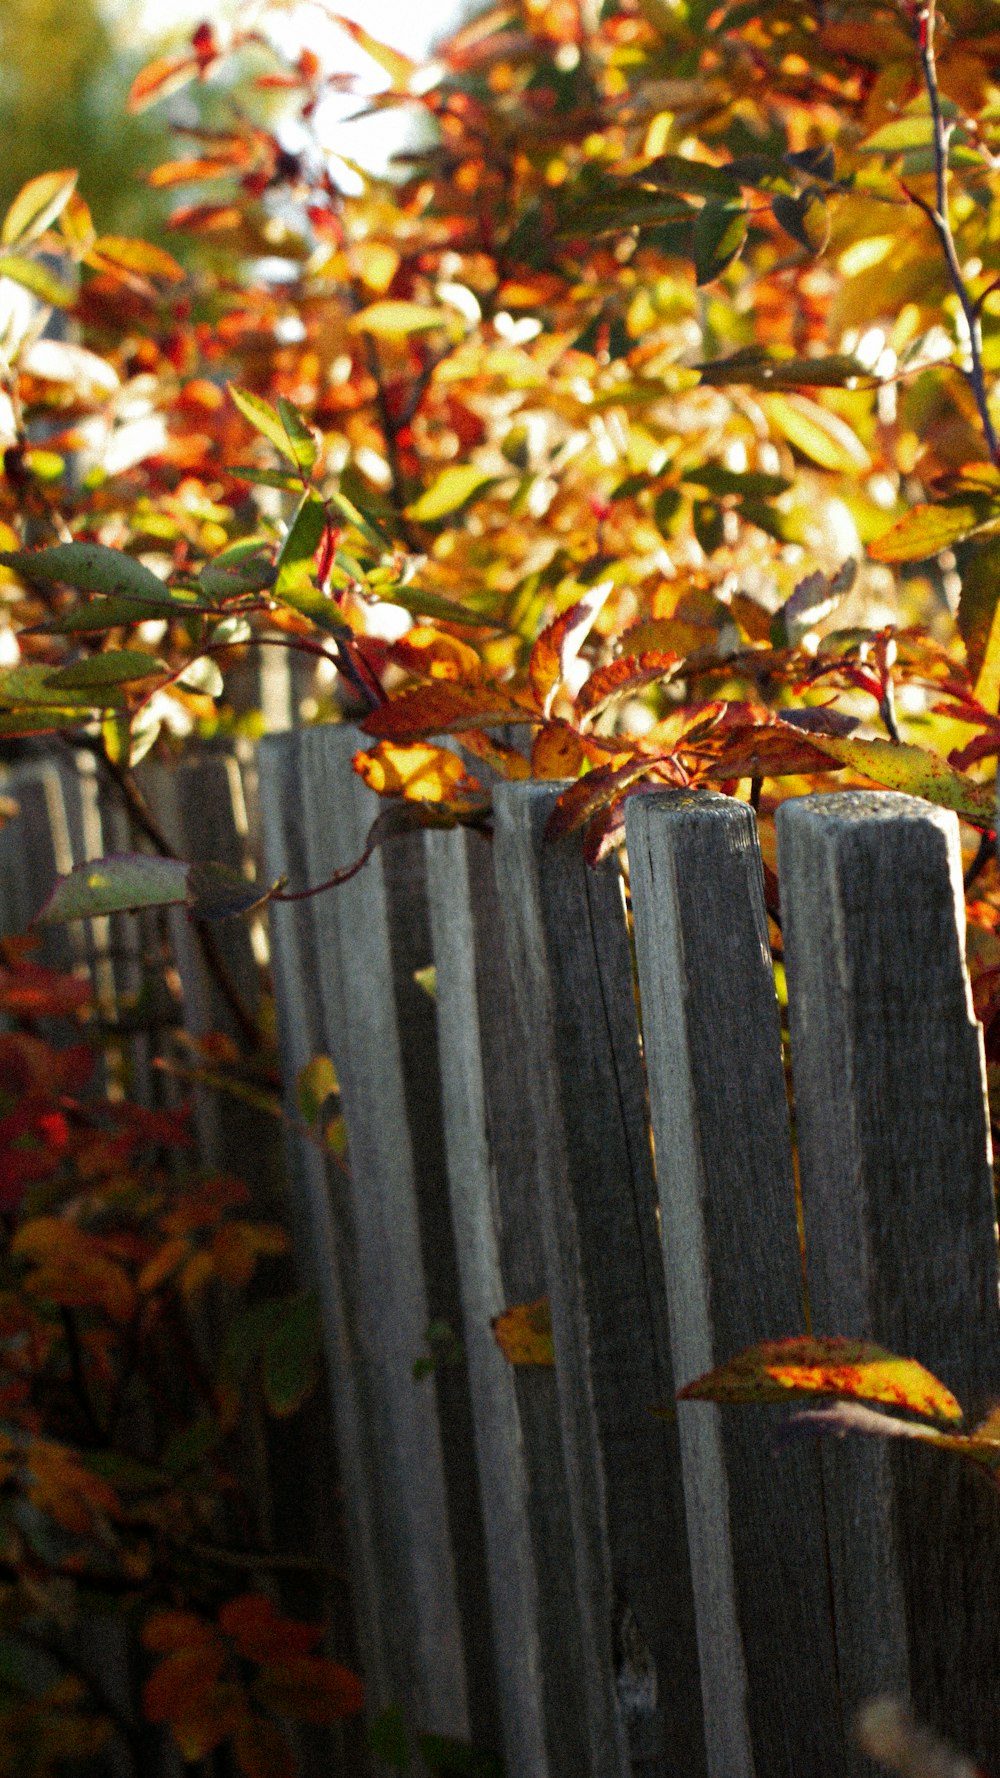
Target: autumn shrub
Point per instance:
(636, 427)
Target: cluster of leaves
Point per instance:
(636, 430)
(120, 1427)
(610, 391)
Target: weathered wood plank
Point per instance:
(491, 1174)
(406, 1446)
(900, 1230)
(569, 958)
(727, 1200)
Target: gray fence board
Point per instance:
(569, 958)
(354, 947)
(491, 1170)
(727, 1197)
(901, 1235)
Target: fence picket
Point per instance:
(727, 1198)
(568, 950)
(426, 1632)
(900, 1228)
(488, 1132)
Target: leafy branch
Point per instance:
(939, 215)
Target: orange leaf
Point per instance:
(592, 793)
(524, 1333)
(443, 709)
(185, 172)
(503, 759)
(310, 1688)
(261, 1633)
(166, 1631)
(557, 752)
(171, 1690)
(627, 674)
(435, 655)
(160, 78)
(118, 253)
(854, 1370)
(422, 772)
(261, 1749)
(559, 644)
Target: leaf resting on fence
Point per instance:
(852, 1370)
(524, 1333)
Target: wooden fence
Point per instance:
(559, 1563)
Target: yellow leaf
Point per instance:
(524, 1333)
(391, 320)
(422, 772)
(852, 1370)
(37, 205)
(449, 491)
(819, 434)
(923, 532)
(900, 766)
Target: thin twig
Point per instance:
(939, 216)
(143, 818)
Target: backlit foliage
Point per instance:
(635, 429)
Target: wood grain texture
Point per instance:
(344, 963)
(568, 952)
(727, 1200)
(900, 1230)
(491, 1171)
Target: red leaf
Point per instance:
(442, 709)
(628, 673)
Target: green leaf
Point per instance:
(119, 666)
(915, 131)
(450, 491)
(38, 721)
(622, 207)
(752, 482)
(115, 885)
(301, 437)
(234, 577)
(900, 766)
(295, 562)
(423, 604)
(447, 1757)
(314, 1085)
(217, 892)
(719, 233)
(758, 368)
(388, 1739)
(36, 206)
(244, 1339)
(189, 1447)
(91, 568)
(673, 172)
(28, 686)
(102, 614)
(269, 478)
(37, 278)
(924, 531)
(804, 217)
(291, 1357)
(265, 419)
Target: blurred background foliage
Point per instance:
(63, 82)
